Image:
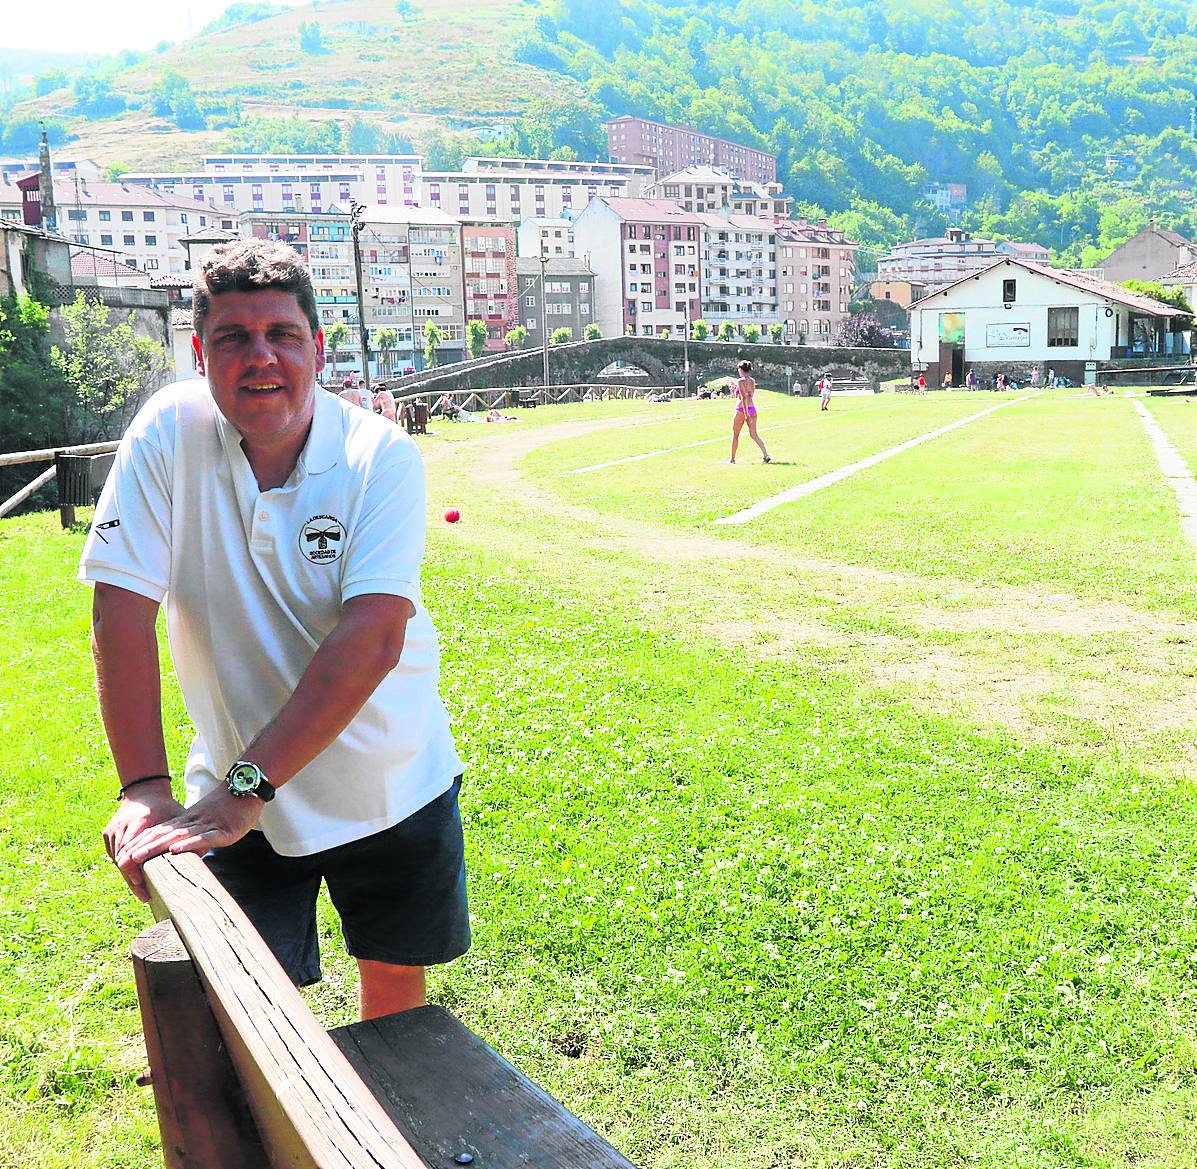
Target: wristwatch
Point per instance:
(248, 779)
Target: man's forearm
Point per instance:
(347, 668)
(125, 647)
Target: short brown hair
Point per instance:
(745, 366)
(246, 265)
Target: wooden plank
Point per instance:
(15, 501)
(311, 1108)
(44, 456)
(202, 1114)
(451, 1094)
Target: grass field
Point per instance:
(860, 835)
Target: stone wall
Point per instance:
(776, 367)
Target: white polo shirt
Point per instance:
(255, 580)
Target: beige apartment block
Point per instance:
(553, 237)
(413, 272)
(816, 268)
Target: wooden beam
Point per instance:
(202, 1112)
(15, 501)
(311, 1108)
(44, 456)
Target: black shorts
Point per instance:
(401, 893)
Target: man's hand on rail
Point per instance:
(216, 821)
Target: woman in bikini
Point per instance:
(745, 411)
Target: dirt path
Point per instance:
(1066, 670)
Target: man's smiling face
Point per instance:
(261, 360)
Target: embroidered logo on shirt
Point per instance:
(322, 539)
(102, 528)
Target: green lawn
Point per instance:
(739, 900)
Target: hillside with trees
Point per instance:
(1070, 121)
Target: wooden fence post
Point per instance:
(202, 1112)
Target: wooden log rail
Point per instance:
(245, 1077)
(48, 455)
(497, 398)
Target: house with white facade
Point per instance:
(553, 237)
(1015, 315)
(739, 271)
(645, 255)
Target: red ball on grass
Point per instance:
(452, 516)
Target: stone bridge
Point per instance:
(775, 367)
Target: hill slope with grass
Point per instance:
(393, 70)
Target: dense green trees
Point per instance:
(1068, 120)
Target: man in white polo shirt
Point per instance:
(284, 529)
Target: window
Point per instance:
(1063, 326)
(1009, 290)
(126, 217)
(151, 241)
(130, 240)
(530, 301)
(105, 216)
(151, 265)
(148, 216)
(105, 241)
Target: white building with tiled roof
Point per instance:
(143, 227)
(1015, 315)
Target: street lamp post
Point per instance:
(686, 352)
(355, 220)
(544, 316)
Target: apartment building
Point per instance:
(709, 188)
(565, 302)
(645, 257)
(553, 237)
(739, 270)
(325, 241)
(515, 195)
(816, 269)
(696, 188)
(938, 260)
(638, 177)
(248, 183)
(491, 289)
(413, 270)
(143, 228)
(669, 149)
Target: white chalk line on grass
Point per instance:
(705, 442)
(1176, 472)
(812, 485)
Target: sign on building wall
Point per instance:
(1008, 336)
(951, 328)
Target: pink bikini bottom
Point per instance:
(751, 410)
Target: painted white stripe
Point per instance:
(725, 438)
(1176, 472)
(832, 477)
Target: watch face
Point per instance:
(243, 779)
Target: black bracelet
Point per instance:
(135, 782)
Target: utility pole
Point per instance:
(544, 314)
(355, 223)
(686, 350)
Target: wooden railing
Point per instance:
(48, 455)
(245, 1077)
(501, 398)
